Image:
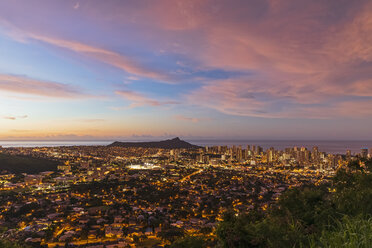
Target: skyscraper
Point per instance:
(364, 152)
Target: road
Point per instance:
(190, 175)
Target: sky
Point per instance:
(221, 69)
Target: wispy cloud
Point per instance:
(118, 60)
(306, 64)
(13, 118)
(304, 59)
(28, 86)
(106, 56)
(20, 130)
(77, 5)
(191, 119)
(253, 97)
(139, 99)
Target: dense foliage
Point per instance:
(349, 232)
(8, 244)
(25, 164)
(189, 242)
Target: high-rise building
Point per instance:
(234, 149)
(364, 152)
(239, 153)
(270, 155)
(306, 155)
(259, 149)
(315, 154)
(206, 159)
(246, 153)
(348, 155)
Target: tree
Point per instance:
(348, 232)
(190, 242)
(172, 234)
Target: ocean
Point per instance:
(48, 143)
(334, 147)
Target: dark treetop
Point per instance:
(175, 143)
(25, 164)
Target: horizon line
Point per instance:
(190, 139)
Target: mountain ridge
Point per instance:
(175, 143)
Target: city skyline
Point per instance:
(94, 70)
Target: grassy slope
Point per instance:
(349, 233)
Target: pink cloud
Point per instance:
(13, 118)
(247, 97)
(191, 119)
(106, 56)
(77, 5)
(139, 100)
(305, 64)
(27, 86)
(125, 63)
(303, 58)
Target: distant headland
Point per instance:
(175, 143)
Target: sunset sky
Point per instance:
(249, 69)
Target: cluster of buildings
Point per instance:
(144, 197)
